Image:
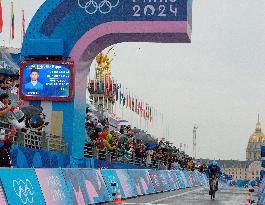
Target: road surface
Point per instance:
(200, 196)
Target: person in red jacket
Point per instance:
(102, 136)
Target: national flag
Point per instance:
(136, 106)
(132, 103)
(95, 85)
(123, 99)
(121, 95)
(105, 87)
(127, 99)
(1, 17)
(12, 21)
(117, 92)
(101, 86)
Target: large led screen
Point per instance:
(46, 80)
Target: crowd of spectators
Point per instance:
(133, 144)
(15, 118)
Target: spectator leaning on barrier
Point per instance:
(4, 109)
(5, 159)
(4, 104)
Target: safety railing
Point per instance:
(92, 151)
(29, 138)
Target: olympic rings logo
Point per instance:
(92, 6)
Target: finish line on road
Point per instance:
(176, 195)
(165, 198)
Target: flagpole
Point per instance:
(22, 28)
(10, 25)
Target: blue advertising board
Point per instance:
(110, 177)
(165, 180)
(85, 186)
(157, 182)
(181, 179)
(21, 187)
(142, 181)
(53, 186)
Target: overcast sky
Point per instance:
(217, 81)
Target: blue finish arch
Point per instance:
(80, 29)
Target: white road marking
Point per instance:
(176, 195)
(141, 204)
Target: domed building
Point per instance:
(256, 140)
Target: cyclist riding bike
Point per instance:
(213, 172)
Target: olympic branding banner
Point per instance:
(127, 183)
(158, 184)
(21, 187)
(53, 186)
(3, 200)
(95, 186)
(174, 177)
(186, 179)
(142, 181)
(261, 193)
(181, 179)
(165, 180)
(112, 183)
(85, 186)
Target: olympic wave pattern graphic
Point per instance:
(102, 6)
(24, 190)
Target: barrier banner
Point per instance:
(21, 187)
(142, 181)
(110, 177)
(194, 179)
(174, 177)
(165, 180)
(157, 182)
(2, 195)
(205, 179)
(181, 179)
(198, 178)
(171, 181)
(95, 186)
(53, 186)
(261, 192)
(75, 186)
(201, 179)
(85, 186)
(127, 184)
(186, 179)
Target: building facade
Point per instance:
(256, 140)
(249, 169)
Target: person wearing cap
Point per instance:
(34, 85)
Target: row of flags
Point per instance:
(12, 23)
(124, 97)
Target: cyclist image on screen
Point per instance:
(34, 85)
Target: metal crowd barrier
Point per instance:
(51, 142)
(34, 140)
(92, 151)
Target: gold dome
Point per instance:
(258, 135)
